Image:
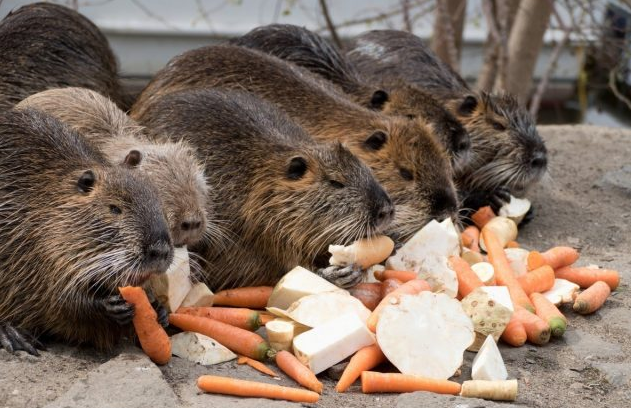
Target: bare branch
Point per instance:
(405, 9)
(614, 88)
(329, 24)
(444, 40)
(154, 16)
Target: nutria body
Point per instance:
(172, 167)
(73, 229)
(405, 158)
(308, 50)
(284, 196)
(507, 150)
(45, 46)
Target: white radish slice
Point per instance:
(488, 363)
(563, 291)
(281, 333)
(516, 209)
(297, 283)
(485, 272)
(200, 349)
(198, 296)
(365, 253)
(518, 259)
(171, 287)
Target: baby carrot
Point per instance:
(365, 359)
(257, 365)
(482, 216)
(586, 277)
(547, 311)
(555, 257)
(388, 286)
(512, 244)
(537, 330)
(515, 333)
(253, 297)
(239, 317)
(471, 238)
(539, 280)
(592, 298)
(403, 276)
(153, 339)
(368, 293)
(408, 288)
(468, 280)
(243, 388)
(298, 371)
(395, 382)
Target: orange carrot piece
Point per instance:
(512, 244)
(537, 330)
(586, 277)
(298, 371)
(549, 313)
(153, 339)
(253, 297)
(238, 340)
(365, 359)
(239, 317)
(403, 276)
(266, 317)
(388, 286)
(368, 293)
(468, 281)
(395, 382)
(535, 260)
(408, 288)
(592, 298)
(471, 238)
(556, 257)
(482, 216)
(257, 365)
(243, 388)
(539, 280)
(515, 333)
(504, 275)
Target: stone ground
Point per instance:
(586, 203)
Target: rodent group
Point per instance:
(256, 154)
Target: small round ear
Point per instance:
(297, 168)
(86, 181)
(376, 140)
(378, 99)
(468, 105)
(133, 158)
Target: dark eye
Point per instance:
(115, 209)
(498, 126)
(336, 184)
(406, 174)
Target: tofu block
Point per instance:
(200, 349)
(171, 287)
(297, 283)
(198, 296)
(488, 363)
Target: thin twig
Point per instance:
(329, 24)
(151, 14)
(405, 9)
(442, 13)
(614, 88)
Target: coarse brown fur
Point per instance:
(407, 161)
(73, 229)
(172, 167)
(287, 197)
(44, 45)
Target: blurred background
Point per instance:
(568, 60)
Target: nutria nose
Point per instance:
(462, 142)
(539, 160)
(159, 253)
(191, 225)
(383, 211)
(444, 202)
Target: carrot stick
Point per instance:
(537, 330)
(403, 276)
(238, 340)
(555, 257)
(408, 288)
(592, 298)
(388, 286)
(253, 297)
(394, 382)
(468, 281)
(549, 313)
(515, 333)
(364, 360)
(535, 260)
(257, 365)
(482, 216)
(512, 244)
(298, 371)
(243, 388)
(504, 275)
(368, 293)
(239, 317)
(539, 280)
(153, 339)
(471, 238)
(586, 277)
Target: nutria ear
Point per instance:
(133, 158)
(468, 105)
(379, 98)
(86, 181)
(376, 140)
(297, 168)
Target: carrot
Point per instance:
(471, 238)
(408, 288)
(535, 260)
(547, 311)
(257, 365)
(468, 281)
(153, 339)
(482, 216)
(243, 388)
(586, 277)
(512, 244)
(537, 330)
(368, 293)
(515, 333)
(298, 371)
(266, 317)
(592, 298)
(388, 286)
(394, 382)
(364, 360)
(239, 317)
(555, 257)
(253, 297)
(403, 276)
(238, 340)
(504, 275)
(539, 280)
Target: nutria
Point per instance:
(73, 229)
(407, 161)
(46, 45)
(508, 153)
(286, 197)
(171, 166)
(308, 50)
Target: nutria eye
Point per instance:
(336, 184)
(498, 126)
(468, 105)
(86, 181)
(406, 174)
(115, 210)
(297, 168)
(411, 117)
(379, 98)
(376, 140)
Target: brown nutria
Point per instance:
(46, 45)
(308, 50)
(173, 167)
(287, 197)
(507, 152)
(408, 162)
(73, 229)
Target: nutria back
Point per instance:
(284, 197)
(73, 230)
(44, 45)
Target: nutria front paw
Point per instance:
(13, 339)
(118, 309)
(163, 315)
(343, 277)
(498, 198)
